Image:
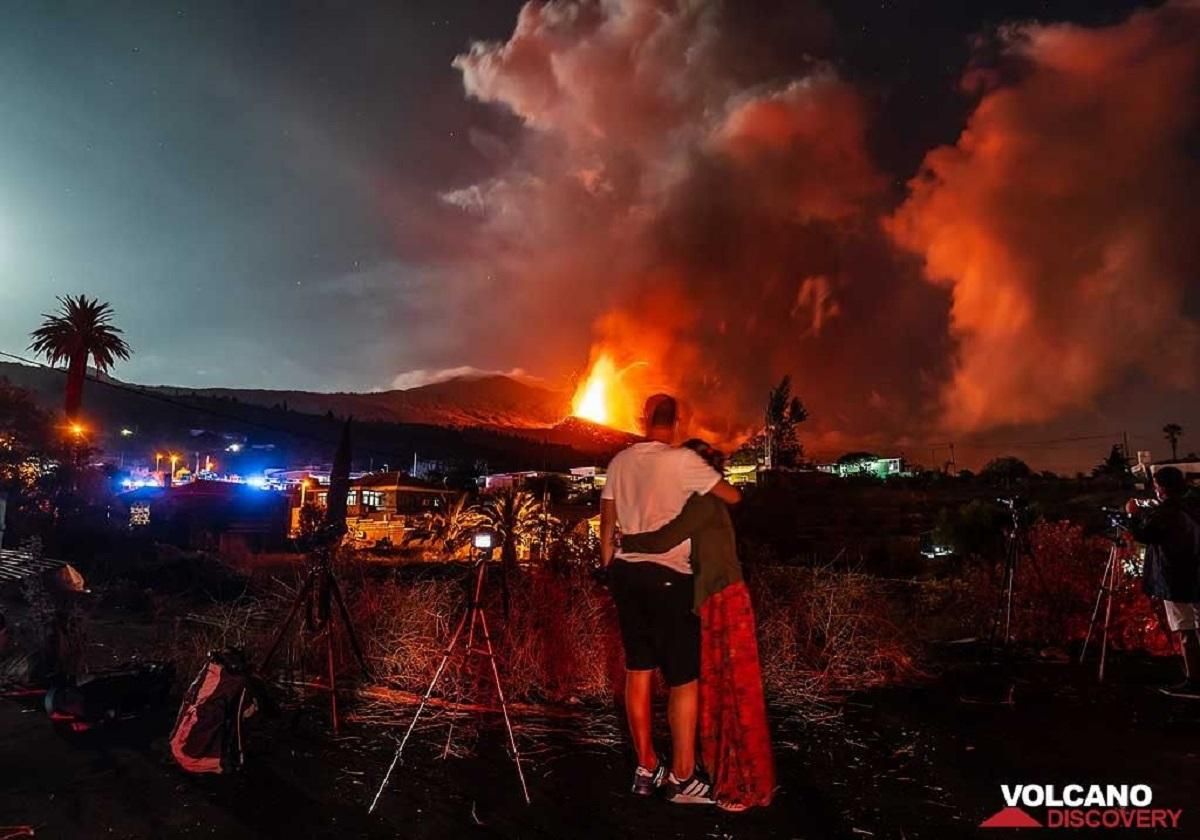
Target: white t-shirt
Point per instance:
(650, 483)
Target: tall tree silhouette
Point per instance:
(1115, 465)
(1173, 432)
(782, 448)
(82, 329)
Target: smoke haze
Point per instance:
(719, 222)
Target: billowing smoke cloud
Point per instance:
(714, 219)
(713, 214)
(1064, 219)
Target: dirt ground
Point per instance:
(916, 762)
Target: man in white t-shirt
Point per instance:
(646, 487)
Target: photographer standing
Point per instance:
(1171, 535)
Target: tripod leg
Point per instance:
(473, 614)
(345, 614)
(1012, 580)
(333, 711)
(487, 638)
(301, 598)
(425, 699)
(1112, 585)
(1104, 585)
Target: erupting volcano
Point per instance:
(604, 397)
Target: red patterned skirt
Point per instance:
(734, 739)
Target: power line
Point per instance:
(1020, 443)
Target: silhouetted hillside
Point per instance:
(464, 401)
(302, 427)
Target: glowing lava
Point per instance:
(602, 397)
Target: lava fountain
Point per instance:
(604, 397)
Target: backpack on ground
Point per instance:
(207, 737)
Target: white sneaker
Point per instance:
(696, 790)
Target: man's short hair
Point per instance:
(1171, 480)
(661, 412)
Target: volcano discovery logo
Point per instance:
(1081, 806)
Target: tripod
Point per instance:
(474, 616)
(319, 588)
(1016, 546)
(1108, 586)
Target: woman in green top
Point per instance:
(735, 742)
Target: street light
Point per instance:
(126, 432)
(158, 456)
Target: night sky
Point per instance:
(234, 178)
(293, 195)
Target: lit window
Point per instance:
(139, 515)
(372, 498)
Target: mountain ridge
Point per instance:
(492, 417)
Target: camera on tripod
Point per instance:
(1118, 519)
(1018, 508)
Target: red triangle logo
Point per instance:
(1010, 818)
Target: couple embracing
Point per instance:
(684, 610)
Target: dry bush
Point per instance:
(824, 632)
(1055, 593)
(405, 627)
(245, 623)
(562, 641)
(559, 644)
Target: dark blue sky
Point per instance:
(235, 179)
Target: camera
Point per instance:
(1117, 518)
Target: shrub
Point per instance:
(821, 633)
(1056, 591)
(824, 632)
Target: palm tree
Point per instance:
(515, 517)
(782, 448)
(1172, 432)
(82, 329)
(452, 526)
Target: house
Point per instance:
(520, 480)
(871, 465)
(740, 475)
(382, 506)
(588, 479)
(209, 515)
(579, 484)
(1147, 466)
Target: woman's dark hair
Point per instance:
(708, 452)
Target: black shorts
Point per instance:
(658, 627)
